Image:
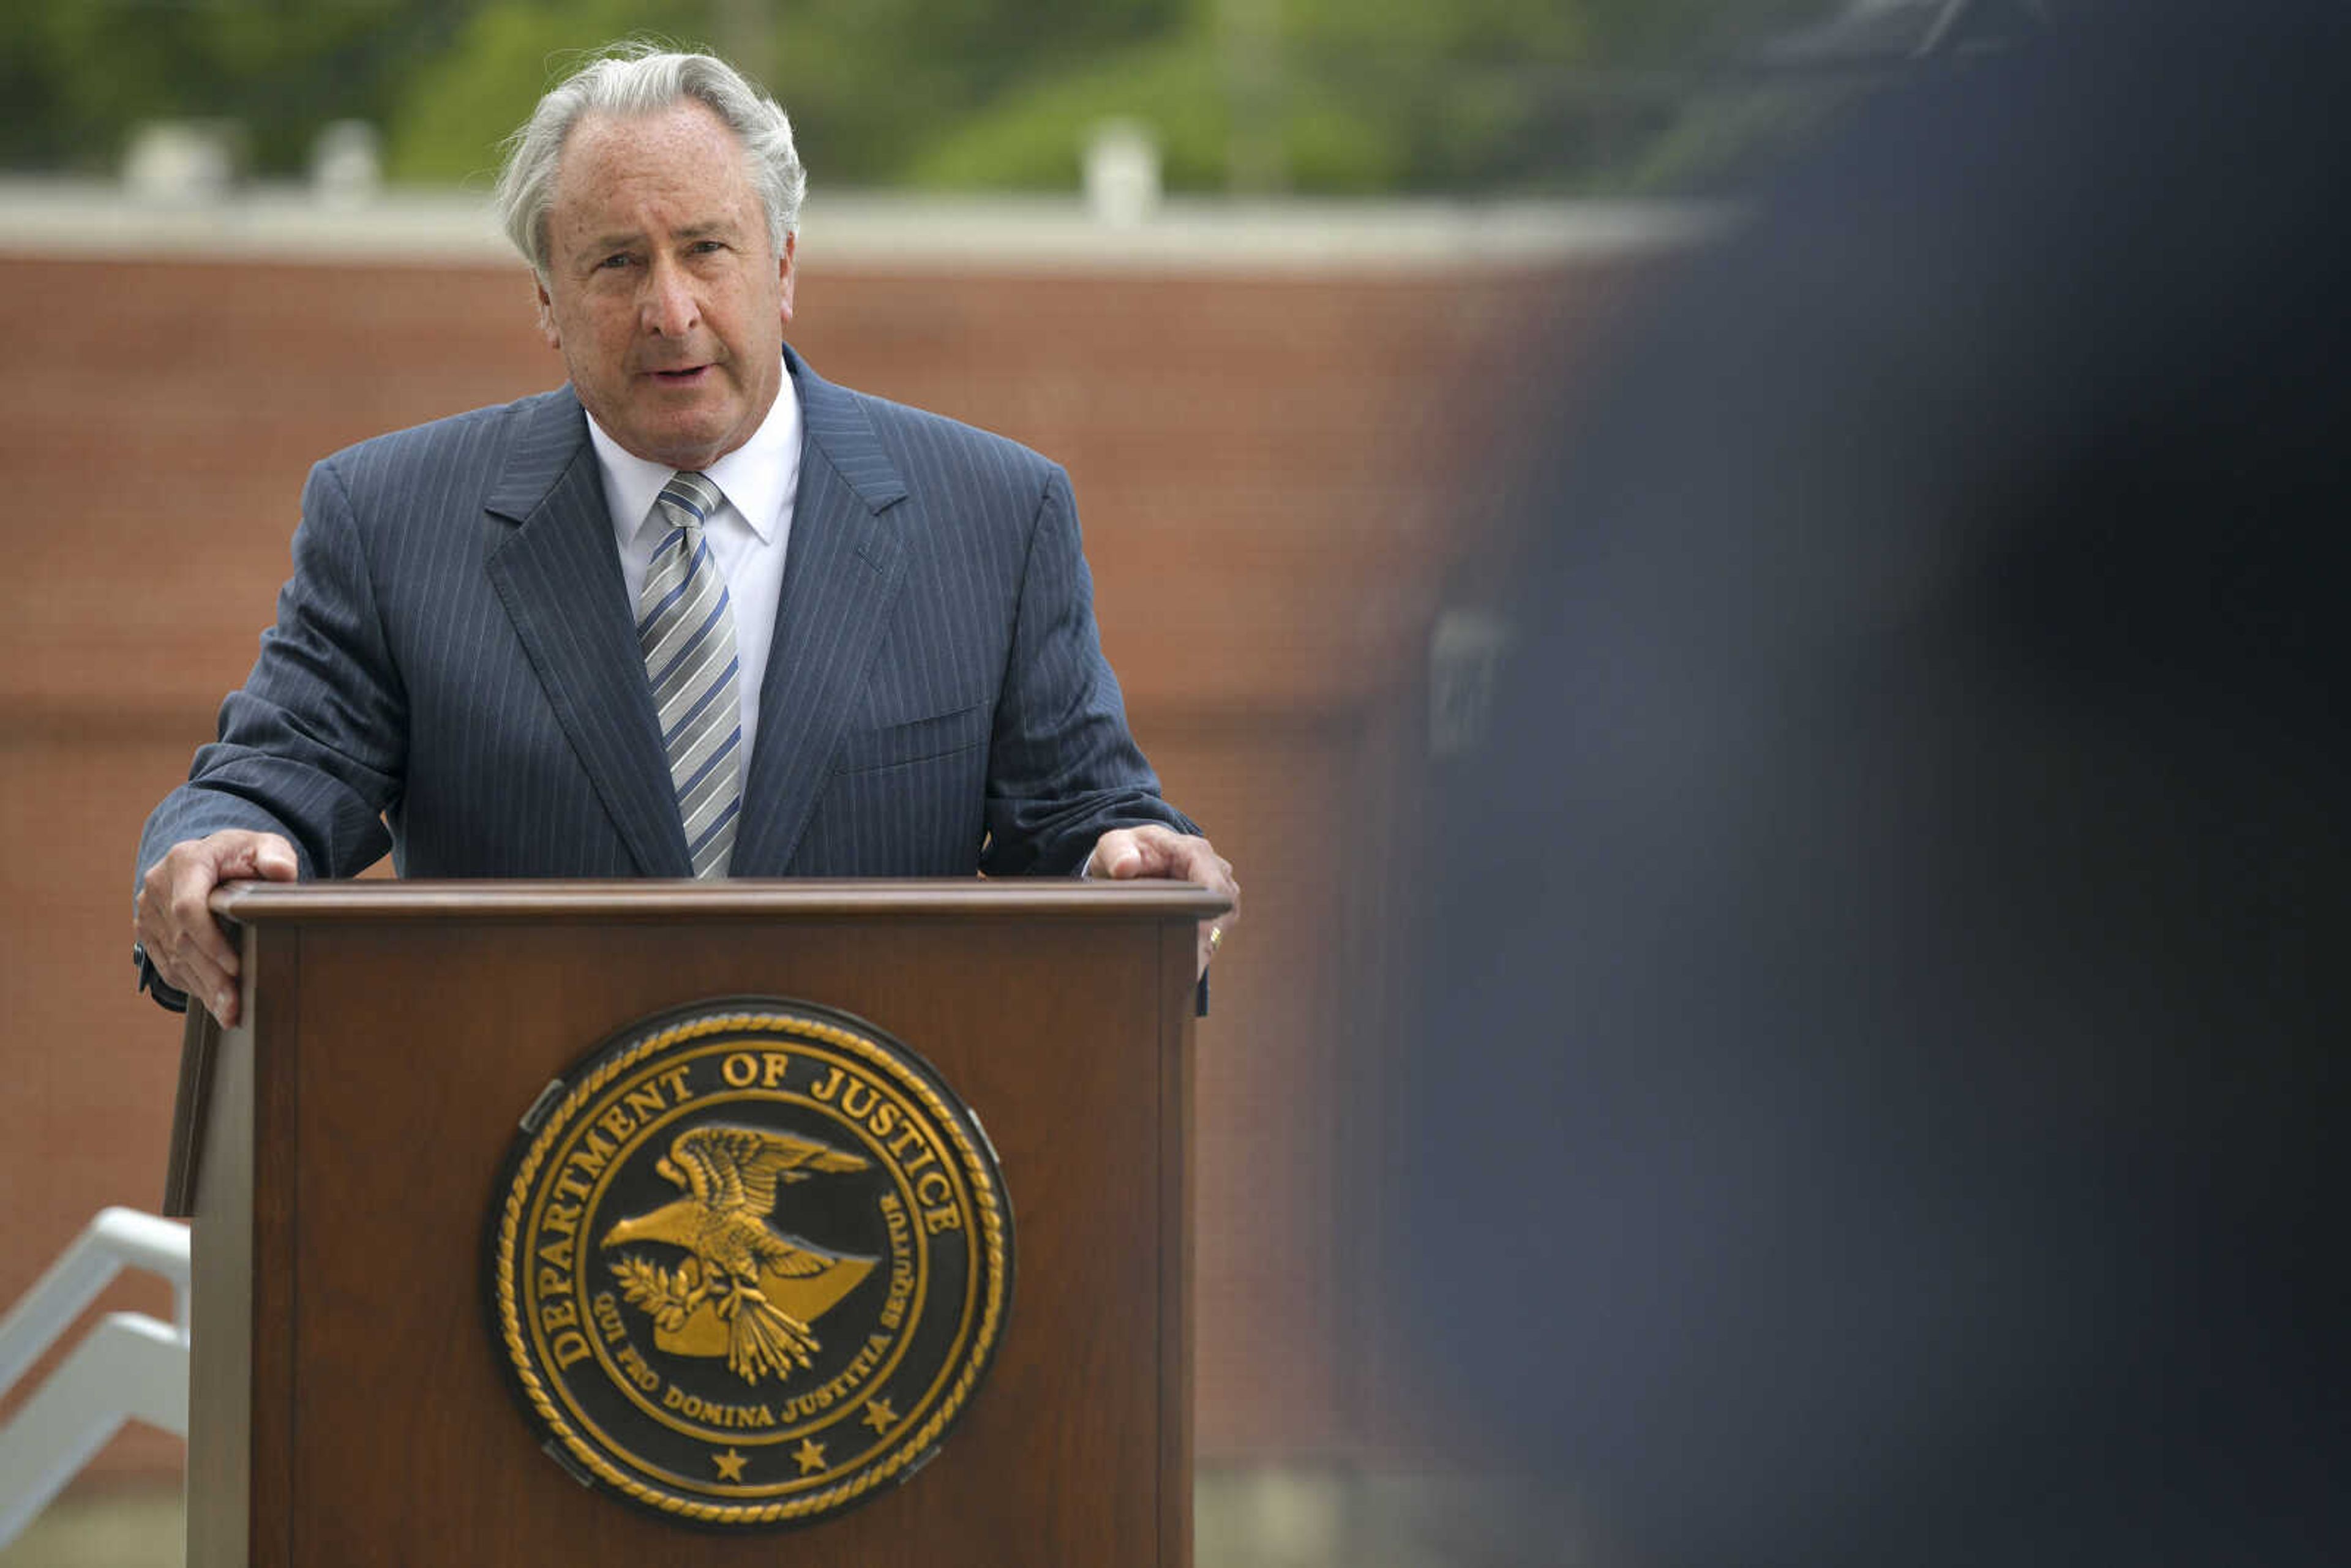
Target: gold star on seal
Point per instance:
(730, 1465)
(879, 1416)
(810, 1454)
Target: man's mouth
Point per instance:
(678, 378)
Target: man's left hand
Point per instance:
(1125, 854)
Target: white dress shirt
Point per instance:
(748, 535)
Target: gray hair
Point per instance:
(638, 79)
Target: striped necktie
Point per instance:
(687, 631)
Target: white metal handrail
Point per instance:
(128, 1367)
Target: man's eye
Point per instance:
(707, 247)
(615, 261)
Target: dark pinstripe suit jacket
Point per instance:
(455, 657)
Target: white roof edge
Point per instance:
(877, 232)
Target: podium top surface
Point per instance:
(376, 900)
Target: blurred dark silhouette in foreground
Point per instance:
(1884, 1068)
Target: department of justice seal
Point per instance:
(750, 1262)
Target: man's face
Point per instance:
(664, 293)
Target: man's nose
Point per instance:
(668, 309)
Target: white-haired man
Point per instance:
(698, 613)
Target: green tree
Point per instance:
(81, 75)
(1388, 95)
(870, 84)
(1308, 94)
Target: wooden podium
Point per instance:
(338, 1152)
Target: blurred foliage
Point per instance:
(1306, 95)
(78, 75)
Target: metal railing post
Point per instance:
(130, 1367)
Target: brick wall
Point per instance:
(1277, 477)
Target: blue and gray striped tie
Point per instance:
(687, 631)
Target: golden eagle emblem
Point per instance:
(744, 1288)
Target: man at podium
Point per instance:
(697, 612)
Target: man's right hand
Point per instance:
(175, 919)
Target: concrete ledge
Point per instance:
(879, 232)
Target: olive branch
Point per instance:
(653, 1288)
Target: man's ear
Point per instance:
(547, 328)
(784, 276)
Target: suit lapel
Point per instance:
(552, 562)
(842, 571)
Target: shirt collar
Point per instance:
(758, 477)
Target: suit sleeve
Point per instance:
(313, 746)
(1064, 770)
